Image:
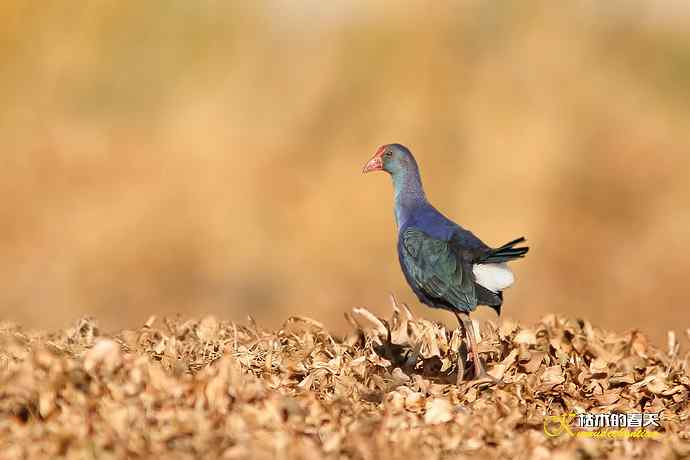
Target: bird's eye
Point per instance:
(387, 155)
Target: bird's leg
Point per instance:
(461, 358)
(479, 372)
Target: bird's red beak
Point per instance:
(376, 162)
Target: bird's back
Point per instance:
(429, 220)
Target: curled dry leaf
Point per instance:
(552, 376)
(598, 366)
(104, 355)
(438, 411)
(534, 362)
(208, 329)
(415, 402)
(372, 320)
(526, 337)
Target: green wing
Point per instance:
(436, 268)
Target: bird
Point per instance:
(447, 266)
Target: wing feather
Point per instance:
(436, 268)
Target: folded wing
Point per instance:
(435, 268)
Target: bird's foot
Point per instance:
(484, 377)
(481, 377)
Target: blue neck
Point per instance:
(408, 193)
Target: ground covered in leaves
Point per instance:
(192, 389)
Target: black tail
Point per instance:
(504, 253)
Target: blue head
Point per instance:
(395, 159)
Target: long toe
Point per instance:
(486, 376)
(482, 377)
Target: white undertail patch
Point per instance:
(494, 277)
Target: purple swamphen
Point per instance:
(445, 265)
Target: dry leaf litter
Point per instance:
(179, 389)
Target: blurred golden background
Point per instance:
(166, 157)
